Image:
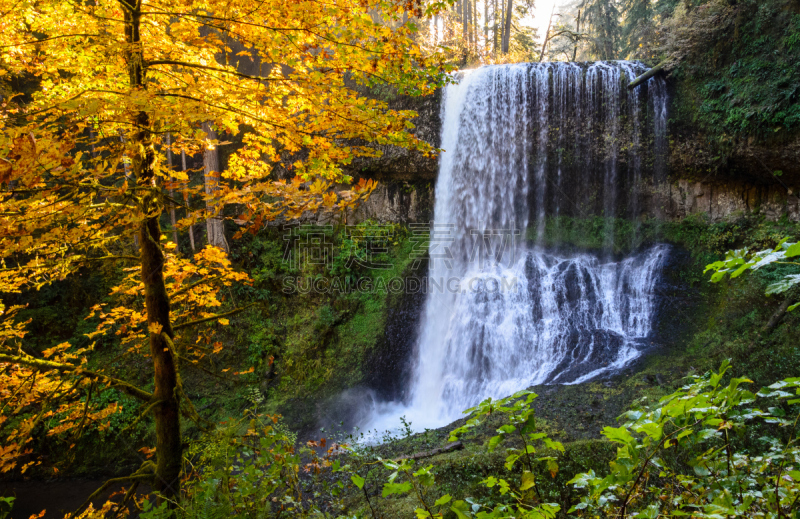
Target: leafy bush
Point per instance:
(246, 469)
(681, 458)
(740, 261)
(737, 68)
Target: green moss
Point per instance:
(697, 234)
(745, 83)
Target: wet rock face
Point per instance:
(400, 164)
(398, 202)
(721, 199)
(392, 201)
(391, 361)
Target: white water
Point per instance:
(565, 319)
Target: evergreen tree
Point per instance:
(602, 20)
(638, 29)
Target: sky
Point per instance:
(541, 16)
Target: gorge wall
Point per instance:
(537, 147)
(746, 183)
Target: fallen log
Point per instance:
(427, 454)
(647, 75)
(776, 318)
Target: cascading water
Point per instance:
(525, 143)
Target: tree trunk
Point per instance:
(507, 27)
(172, 218)
(776, 318)
(166, 413)
(455, 446)
(474, 9)
(495, 42)
(186, 201)
(502, 25)
(610, 21)
(127, 168)
(647, 75)
(468, 9)
(486, 27)
(214, 224)
(464, 21)
(547, 34)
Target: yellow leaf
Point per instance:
(528, 481)
(155, 328)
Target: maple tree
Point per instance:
(82, 177)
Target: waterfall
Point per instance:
(524, 143)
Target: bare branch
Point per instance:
(213, 317)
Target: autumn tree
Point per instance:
(81, 171)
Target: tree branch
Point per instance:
(204, 370)
(48, 365)
(192, 285)
(140, 417)
(211, 318)
(137, 476)
(213, 69)
(32, 42)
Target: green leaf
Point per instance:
(793, 250)
(784, 284)
(556, 446)
(552, 467)
(357, 481)
(459, 512)
(511, 460)
(506, 429)
(618, 434)
(530, 424)
(425, 477)
(396, 488)
(443, 500)
(494, 441)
